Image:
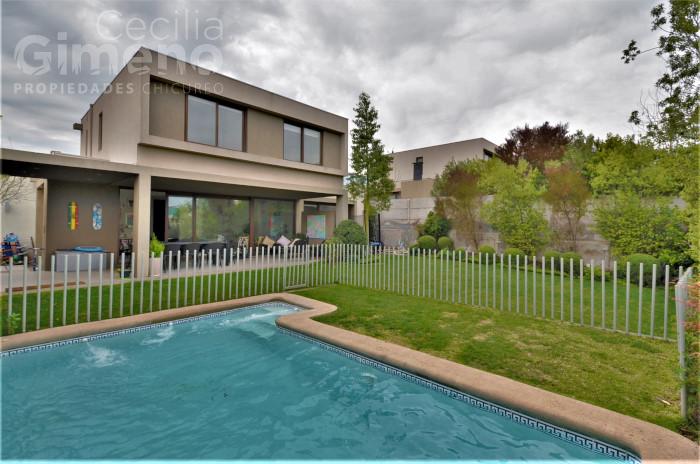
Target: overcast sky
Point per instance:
(438, 71)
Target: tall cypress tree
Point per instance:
(370, 180)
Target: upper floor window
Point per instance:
(213, 124)
(418, 169)
(302, 144)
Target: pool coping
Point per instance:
(650, 442)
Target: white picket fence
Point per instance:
(608, 298)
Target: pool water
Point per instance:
(234, 386)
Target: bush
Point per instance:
(335, 240)
(445, 253)
(487, 249)
(569, 255)
(427, 242)
(157, 247)
(349, 231)
(461, 254)
(513, 252)
(635, 260)
(434, 225)
(548, 255)
(445, 243)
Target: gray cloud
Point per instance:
(438, 71)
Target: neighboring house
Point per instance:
(414, 173)
(191, 156)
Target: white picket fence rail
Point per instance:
(681, 293)
(608, 298)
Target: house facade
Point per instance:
(190, 155)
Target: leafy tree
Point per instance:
(435, 225)
(650, 226)
(459, 198)
(536, 145)
(513, 211)
(370, 179)
(567, 194)
(672, 119)
(621, 163)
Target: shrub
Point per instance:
(487, 249)
(157, 247)
(427, 242)
(434, 225)
(461, 254)
(635, 260)
(445, 243)
(445, 253)
(335, 240)
(569, 255)
(548, 255)
(513, 252)
(349, 231)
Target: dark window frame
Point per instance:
(217, 103)
(304, 127)
(100, 123)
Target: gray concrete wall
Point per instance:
(398, 227)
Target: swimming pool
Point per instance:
(234, 386)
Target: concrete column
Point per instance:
(142, 222)
(298, 209)
(341, 208)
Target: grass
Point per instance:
(631, 375)
(439, 279)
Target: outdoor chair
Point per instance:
(172, 248)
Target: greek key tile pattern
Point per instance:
(609, 451)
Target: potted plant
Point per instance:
(157, 247)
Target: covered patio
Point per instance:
(118, 207)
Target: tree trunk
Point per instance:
(366, 216)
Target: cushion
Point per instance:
(267, 241)
(284, 241)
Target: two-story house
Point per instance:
(189, 155)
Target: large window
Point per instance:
(230, 128)
(179, 218)
(302, 144)
(273, 218)
(202, 118)
(292, 142)
(312, 146)
(222, 219)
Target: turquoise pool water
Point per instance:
(234, 386)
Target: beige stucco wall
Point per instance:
(128, 116)
(264, 134)
(86, 195)
(417, 188)
(436, 157)
(121, 109)
(196, 166)
(167, 111)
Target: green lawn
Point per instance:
(439, 279)
(628, 374)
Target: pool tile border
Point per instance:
(142, 328)
(649, 442)
(562, 433)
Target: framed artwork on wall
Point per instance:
(97, 216)
(72, 215)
